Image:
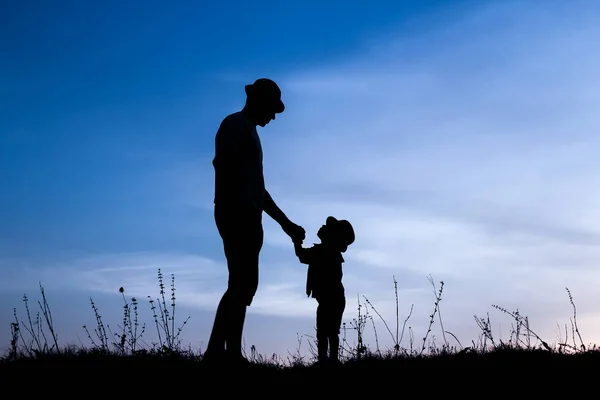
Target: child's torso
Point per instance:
(324, 278)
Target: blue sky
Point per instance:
(458, 137)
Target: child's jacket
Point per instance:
(324, 276)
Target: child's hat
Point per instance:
(343, 230)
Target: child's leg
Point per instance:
(321, 332)
(322, 348)
(334, 347)
(336, 322)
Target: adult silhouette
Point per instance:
(239, 202)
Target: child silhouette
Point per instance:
(324, 281)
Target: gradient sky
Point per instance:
(459, 137)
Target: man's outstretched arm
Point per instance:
(273, 211)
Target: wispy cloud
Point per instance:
(475, 162)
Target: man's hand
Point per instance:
(295, 232)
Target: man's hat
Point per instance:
(266, 90)
(344, 232)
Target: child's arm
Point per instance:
(304, 255)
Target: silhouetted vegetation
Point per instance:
(35, 343)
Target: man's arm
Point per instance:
(274, 211)
(228, 148)
(296, 232)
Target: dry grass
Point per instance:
(34, 343)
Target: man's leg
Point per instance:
(243, 286)
(243, 250)
(216, 343)
(235, 327)
(226, 335)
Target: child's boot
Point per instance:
(334, 347)
(322, 348)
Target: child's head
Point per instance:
(338, 233)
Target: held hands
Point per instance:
(295, 232)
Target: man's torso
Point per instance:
(238, 163)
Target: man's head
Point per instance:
(263, 98)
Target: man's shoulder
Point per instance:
(233, 124)
(237, 116)
(231, 127)
(231, 120)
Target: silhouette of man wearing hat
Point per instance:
(324, 281)
(240, 199)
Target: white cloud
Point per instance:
(476, 164)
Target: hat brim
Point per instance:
(279, 107)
